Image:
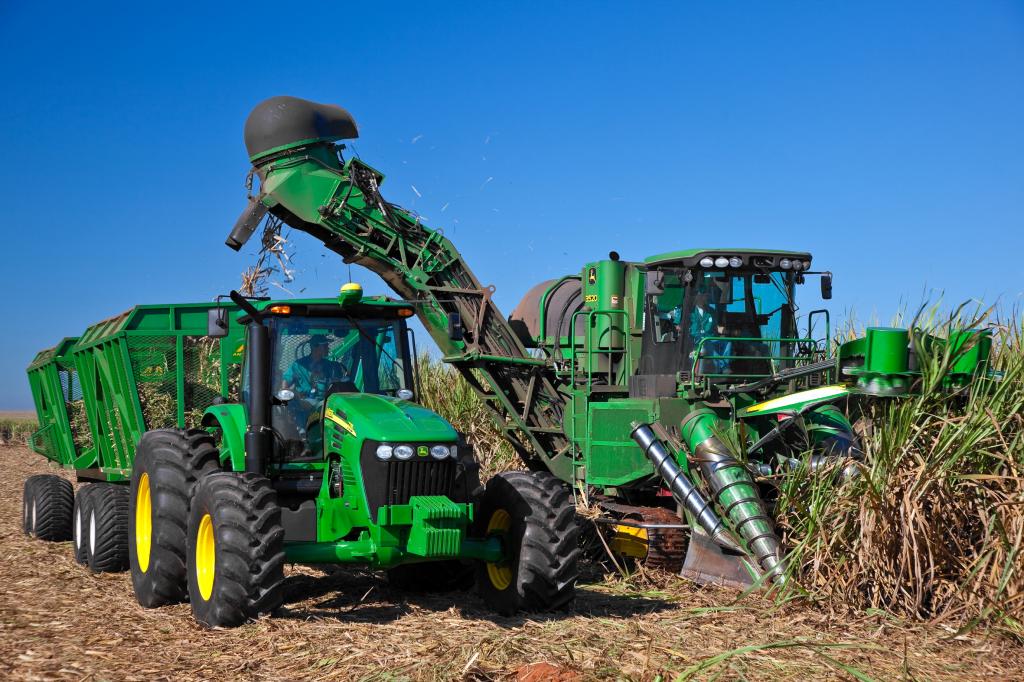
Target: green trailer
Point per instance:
(214, 443)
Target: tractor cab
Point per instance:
(319, 348)
(725, 316)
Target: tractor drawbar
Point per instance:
(734, 490)
(681, 486)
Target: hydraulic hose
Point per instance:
(681, 486)
(734, 490)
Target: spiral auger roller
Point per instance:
(736, 494)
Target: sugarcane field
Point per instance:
(408, 349)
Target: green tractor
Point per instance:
(215, 443)
(672, 391)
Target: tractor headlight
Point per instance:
(384, 452)
(807, 265)
(721, 262)
(439, 451)
(735, 262)
(707, 262)
(404, 452)
(798, 265)
(785, 264)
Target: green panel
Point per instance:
(613, 459)
(438, 525)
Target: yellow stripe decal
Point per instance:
(797, 398)
(333, 416)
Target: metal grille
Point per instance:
(153, 366)
(74, 405)
(406, 479)
(202, 376)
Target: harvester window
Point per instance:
(723, 323)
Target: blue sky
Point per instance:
(886, 138)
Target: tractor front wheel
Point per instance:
(235, 552)
(534, 515)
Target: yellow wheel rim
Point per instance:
(500, 574)
(143, 522)
(206, 557)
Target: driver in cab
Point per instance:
(312, 375)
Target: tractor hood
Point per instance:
(382, 418)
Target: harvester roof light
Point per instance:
(404, 452)
(384, 452)
(721, 262)
(735, 262)
(281, 309)
(405, 312)
(785, 264)
(798, 265)
(439, 451)
(807, 265)
(707, 262)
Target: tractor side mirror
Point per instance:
(217, 322)
(826, 285)
(455, 330)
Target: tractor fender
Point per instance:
(232, 422)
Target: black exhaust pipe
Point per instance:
(258, 439)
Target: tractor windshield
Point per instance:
(316, 356)
(719, 323)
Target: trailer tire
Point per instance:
(534, 515)
(432, 576)
(108, 528)
(168, 464)
(80, 522)
(28, 503)
(235, 549)
(52, 502)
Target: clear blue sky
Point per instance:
(887, 138)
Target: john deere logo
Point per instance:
(423, 451)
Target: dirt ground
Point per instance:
(57, 621)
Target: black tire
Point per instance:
(534, 514)
(171, 462)
(52, 503)
(236, 540)
(432, 576)
(80, 522)
(108, 528)
(28, 503)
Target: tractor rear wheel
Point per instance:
(235, 549)
(432, 576)
(80, 514)
(535, 517)
(49, 501)
(168, 464)
(108, 528)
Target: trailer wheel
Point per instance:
(28, 505)
(235, 549)
(49, 501)
(108, 528)
(168, 463)
(534, 515)
(432, 576)
(80, 522)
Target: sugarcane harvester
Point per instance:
(669, 390)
